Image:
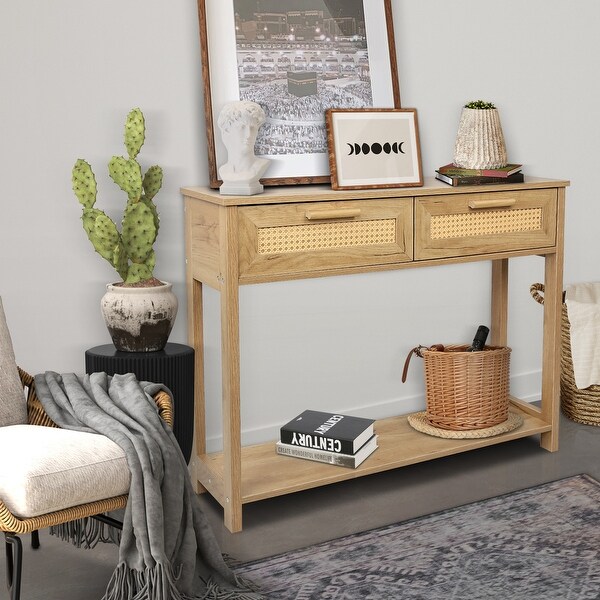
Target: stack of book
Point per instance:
(328, 437)
(453, 175)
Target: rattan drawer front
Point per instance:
(288, 239)
(471, 224)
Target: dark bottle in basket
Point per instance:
(478, 342)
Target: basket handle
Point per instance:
(418, 350)
(535, 290)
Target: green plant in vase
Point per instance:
(139, 311)
(480, 141)
(130, 251)
(479, 105)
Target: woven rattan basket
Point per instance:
(466, 390)
(580, 405)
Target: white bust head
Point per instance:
(239, 123)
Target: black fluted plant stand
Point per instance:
(173, 366)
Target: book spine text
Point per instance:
(316, 442)
(324, 457)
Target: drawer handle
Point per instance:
(497, 203)
(334, 213)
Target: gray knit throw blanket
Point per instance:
(167, 549)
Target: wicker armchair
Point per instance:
(13, 526)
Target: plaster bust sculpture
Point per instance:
(239, 123)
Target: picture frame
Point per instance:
(374, 148)
(265, 56)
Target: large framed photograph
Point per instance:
(374, 148)
(297, 59)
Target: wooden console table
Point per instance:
(311, 231)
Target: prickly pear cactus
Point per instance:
(135, 132)
(138, 232)
(152, 182)
(130, 251)
(104, 236)
(84, 183)
(127, 174)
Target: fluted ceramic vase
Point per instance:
(139, 319)
(480, 141)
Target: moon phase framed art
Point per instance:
(374, 148)
(296, 58)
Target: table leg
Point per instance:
(230, 342)
(553, 289)
(551, 350)
(499, 315)
(196, 337)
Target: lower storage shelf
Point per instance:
(266, 474)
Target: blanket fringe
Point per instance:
(215, 592)
(86, 533)
(159, 583)
(153, 583)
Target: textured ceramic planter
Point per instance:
(480, 141)
(139, 319)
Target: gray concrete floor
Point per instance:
(58, 571)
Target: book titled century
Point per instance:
(330, 432)
(333, 458)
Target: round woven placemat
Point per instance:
(419, 422)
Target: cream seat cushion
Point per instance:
(44, 469)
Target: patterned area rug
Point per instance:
(542, 543)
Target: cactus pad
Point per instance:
(135, 131)
(104, 236)
(89, 217)
(84, 183)
(121, 260)
(154, 212)
(138, 232)
(138, 273)
(127, 174)
(150, 261)
(152, 181)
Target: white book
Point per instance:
(332, 458)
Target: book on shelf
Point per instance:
(506, 171)
(333, 458)
(456, 180)
(331, 432)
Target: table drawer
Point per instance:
(284, 240)
(480, 223)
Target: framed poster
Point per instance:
(374, 148)
(296, 58)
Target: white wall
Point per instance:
(70, 71)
